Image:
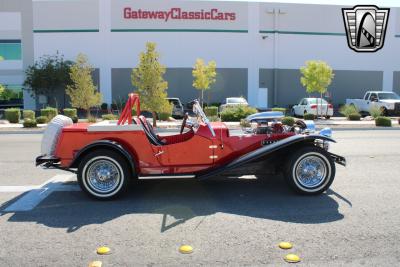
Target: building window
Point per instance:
(10, 50)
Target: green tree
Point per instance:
(204, 76)
(48, 75)
(147, 77)
(82, 91)
(316, 77)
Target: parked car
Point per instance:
(106, 155)
(233, 101)
(313, 106)
(177, 110)
(387, 102)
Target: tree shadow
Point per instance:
(181, 200)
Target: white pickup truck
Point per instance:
(388, 102)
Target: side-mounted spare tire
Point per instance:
(104, 174)
(310, 170)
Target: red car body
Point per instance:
(203, 150)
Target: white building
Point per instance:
(256, 45)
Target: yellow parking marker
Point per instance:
(95, 264)
(103, 250)
(285, 245)
(292, 258)
(186, 249)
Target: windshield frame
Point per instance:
(200, 114)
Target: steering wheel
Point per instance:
(184, 122)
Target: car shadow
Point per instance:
(183, 200)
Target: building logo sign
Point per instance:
(177, 13)
(365, 27)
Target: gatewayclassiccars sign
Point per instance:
(178, 15)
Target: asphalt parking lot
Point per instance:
(46, 221)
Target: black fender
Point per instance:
(108, 144)
(264, 152)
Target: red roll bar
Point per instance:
(126, 114)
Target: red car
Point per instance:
(105, 155)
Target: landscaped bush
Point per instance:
(237, 113)
(75, 119)
(109, 117)
(30, 123)
(289, 121)
(283, 110)
(211, 111)
(114, 106)
(70, 112)
(309, 116)
(42, 119)
(348, 110)
(28, 114)
(134, 111)
(375, 112)
(49, 112)
(383, 121)
(12, 115)
(163, 116)
(214, 118)
(92, 119)
(354, 117)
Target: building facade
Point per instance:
(258, 47)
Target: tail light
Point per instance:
(313, 106)
(330, 106)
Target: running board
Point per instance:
(166, 177)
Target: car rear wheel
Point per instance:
(103, 174)
(310, 170)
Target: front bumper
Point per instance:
(338, 159)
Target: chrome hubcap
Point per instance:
(311, 171)
(103, 176)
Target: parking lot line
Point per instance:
(36, 194)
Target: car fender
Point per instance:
(108, 144)
(263, 152)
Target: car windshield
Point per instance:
(201, 115)
(238, 100)
(175, 102)
(314, 101)
(388, 96)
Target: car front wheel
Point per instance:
(310, 170)
(103, 174)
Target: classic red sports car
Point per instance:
(105, 155)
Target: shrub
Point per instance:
(42, 119)
(29, 123)
(346, 110)
(49, 112)
(354, 117)
(28, 114)
(375, 112)
(289, 121)
(92, 119)
(214, 118)
(12, 115)
(75, 119)
(309, 116)
(70, 112)
(383, 121)
(211, 111)
(237, 113)
(114, 106)
(283, 110)
(164, 116)
(109, 117)
(134, 111)
(104, 106)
